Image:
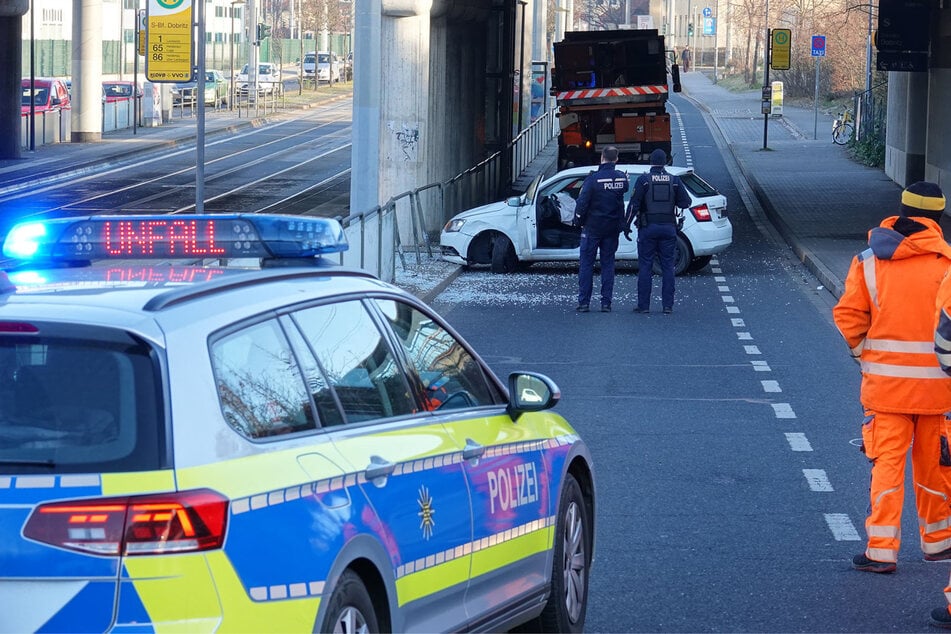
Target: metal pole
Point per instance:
(815, 101)
(521, 67)
(766, 77)
(33, 83)
(231, 83)
(200, 93)
(136, 100)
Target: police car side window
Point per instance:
(260, 386)
(450, 377)
(357, 361)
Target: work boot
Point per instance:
(944, 555)
(582, 308)
(605, 308)
(940, 617)
(668, 310)
(642, 311)
(863, 563)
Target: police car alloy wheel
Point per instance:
(351, 609)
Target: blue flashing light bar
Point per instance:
(174, 237)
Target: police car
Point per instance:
(293, 446)
(537, 226)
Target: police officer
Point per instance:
(600, 213)
(653, 206)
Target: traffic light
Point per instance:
(264, 31)
(690, 29)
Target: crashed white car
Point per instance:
(537, 226)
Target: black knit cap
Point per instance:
(922, 199)
(658, 157)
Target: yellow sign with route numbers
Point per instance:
(781, 44)
(169, 55)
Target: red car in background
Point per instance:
(46, 95)
(120, 90)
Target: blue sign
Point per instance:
(707, 12)
(709, 26)
(818, 45)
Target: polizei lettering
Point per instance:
(612, 184)
(512, 487)
(660, 178)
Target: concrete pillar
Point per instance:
(389, 157)
(86, 116)
(938, 151)
(906, 127)
(11, 55)
(541, 42)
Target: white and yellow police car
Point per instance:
(293, 446)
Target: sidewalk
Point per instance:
(821, 201)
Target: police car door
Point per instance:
(504, 463)
(407, 465)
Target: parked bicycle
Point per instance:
(843, 128)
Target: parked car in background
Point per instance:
(120, 90)
(328, 67)
(216, 90)
(537, 226)
(268, 78)
(45, 95)
(348, 66)
(308, 67)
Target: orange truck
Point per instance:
(611, 89)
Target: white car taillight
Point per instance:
(701, 213)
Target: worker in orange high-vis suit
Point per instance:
(942, 347)
(887, 316)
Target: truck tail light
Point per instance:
(168, 523)
(701, 213)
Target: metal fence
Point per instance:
(376, 236)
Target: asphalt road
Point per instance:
(732, 494)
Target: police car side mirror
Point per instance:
(531, 392)
(514, 201)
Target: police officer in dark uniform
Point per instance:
(600, 213)
(653, 206)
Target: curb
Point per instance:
(433, 293)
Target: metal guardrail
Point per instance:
(368, 232)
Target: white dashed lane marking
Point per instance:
(751, 350)
(798, 441)
(783, 410)
(842, 527)
(771, 386)
(817, 479)
(761, 366)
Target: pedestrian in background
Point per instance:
(600, 213)
(657, 195)
(685, 59)
(887, 317)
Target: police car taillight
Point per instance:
(170, 237)
(701, 213)
(169, 523)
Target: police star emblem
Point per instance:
(426, 512)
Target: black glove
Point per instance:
(627, 234)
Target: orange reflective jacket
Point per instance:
(942, 335)
(887, 317)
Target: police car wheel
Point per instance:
(350, 610)
(568, 601)
(504, 259)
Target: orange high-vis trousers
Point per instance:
(886, 438)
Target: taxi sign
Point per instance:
(781, 44)
(818, 45)
(169, 52)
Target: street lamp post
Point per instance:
(234, 3)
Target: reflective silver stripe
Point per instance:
(884, 531)
(857, 350)
(868, 266)
(931, 548)
(944, 358)
(894, 345)
(902, 371)
(883, 554)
